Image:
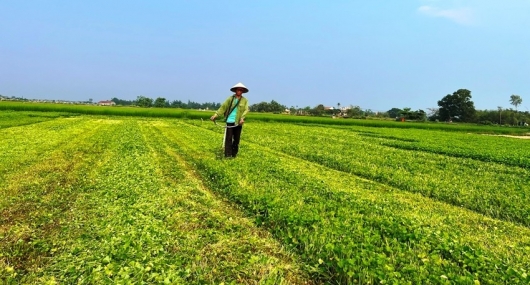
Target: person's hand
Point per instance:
(241, 121)
(213, 117)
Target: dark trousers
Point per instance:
(232, 140)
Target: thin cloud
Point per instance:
(461, 16)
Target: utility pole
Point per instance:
(500, 112)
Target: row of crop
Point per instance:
(20, 147)
(493, 189)
(118, 231)
(348, 230)
(505, 150)
(41, 171)
(221, 246)
(23, 147)
(12, 118)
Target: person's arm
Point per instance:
(246, 108)
(221, 109)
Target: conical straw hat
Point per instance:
(239, 85)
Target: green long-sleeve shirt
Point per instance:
(242, 109)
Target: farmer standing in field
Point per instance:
(234, 109)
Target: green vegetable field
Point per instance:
(104, 199)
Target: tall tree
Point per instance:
(394, 112)
(273, 106)
(160, 102)
(143, 101)
(318, 110)
(178, 104)
(457, 106)
(433, 113)
(516, 100)
(354, 111)
(122, 102)
(277, 107)
(406, 112)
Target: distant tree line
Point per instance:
(456, 107)
(407, 114)
(273, 107)
(146, 102)
(13, 98)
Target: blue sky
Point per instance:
(372, 53)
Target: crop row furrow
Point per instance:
(507, 151)
(504, 154)
(37, 201)
(221, 244)
(496, 190)
(25, 145)
(349, 230)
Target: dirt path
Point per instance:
(525, 137)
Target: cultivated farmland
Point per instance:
(113, 199)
